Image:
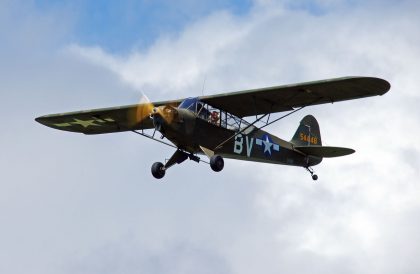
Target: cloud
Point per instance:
(197, 50)
(87, 204)
(129, 257)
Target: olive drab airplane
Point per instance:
(214, 126)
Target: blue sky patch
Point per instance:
(118, 26)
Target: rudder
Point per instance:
(308, 133)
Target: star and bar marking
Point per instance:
(266, 143)
(85, 123)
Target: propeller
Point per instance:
(145, 109)
(163, 115)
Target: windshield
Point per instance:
(189, 103)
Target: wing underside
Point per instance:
(288, 97)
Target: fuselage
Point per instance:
(191, 132)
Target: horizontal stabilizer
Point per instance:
(324, 151)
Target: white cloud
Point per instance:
(89, 205)
(199, 49)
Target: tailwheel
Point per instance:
(310, 170)
(158, 170)
(217, 163)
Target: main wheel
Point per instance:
(157, 170)
(314, 177)
(217, 163)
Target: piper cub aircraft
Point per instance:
(214, 125)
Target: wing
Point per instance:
(285, 98)
(105, 120)
(241, 104)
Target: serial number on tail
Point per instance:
(309, 139)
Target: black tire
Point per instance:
(314, 177)
(217, 163)
(157, 170)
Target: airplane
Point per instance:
(215, 125)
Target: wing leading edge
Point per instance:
(287, 97)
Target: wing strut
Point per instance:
(257, 120)
(153, 138)
(239, 132)
(284, 116)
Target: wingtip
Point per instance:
(43, 120)
(382, 85)
(40, 120)
(387, 86)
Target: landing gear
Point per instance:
(217, 163)
(310, 170)
(158, 170)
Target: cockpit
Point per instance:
(189, 103)
(214, 115)
(197, 107)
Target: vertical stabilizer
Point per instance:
(308, 133)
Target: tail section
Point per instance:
(308, 133)
(307, 140)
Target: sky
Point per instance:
(71, 203)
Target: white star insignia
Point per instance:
(267, 145)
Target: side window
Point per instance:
(223, 119)
(210, 114)
(202, 111)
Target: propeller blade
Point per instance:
(144, 109)
(141, 112)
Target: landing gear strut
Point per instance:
(310, 170)
(159, 169)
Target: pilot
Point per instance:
(214, 117)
